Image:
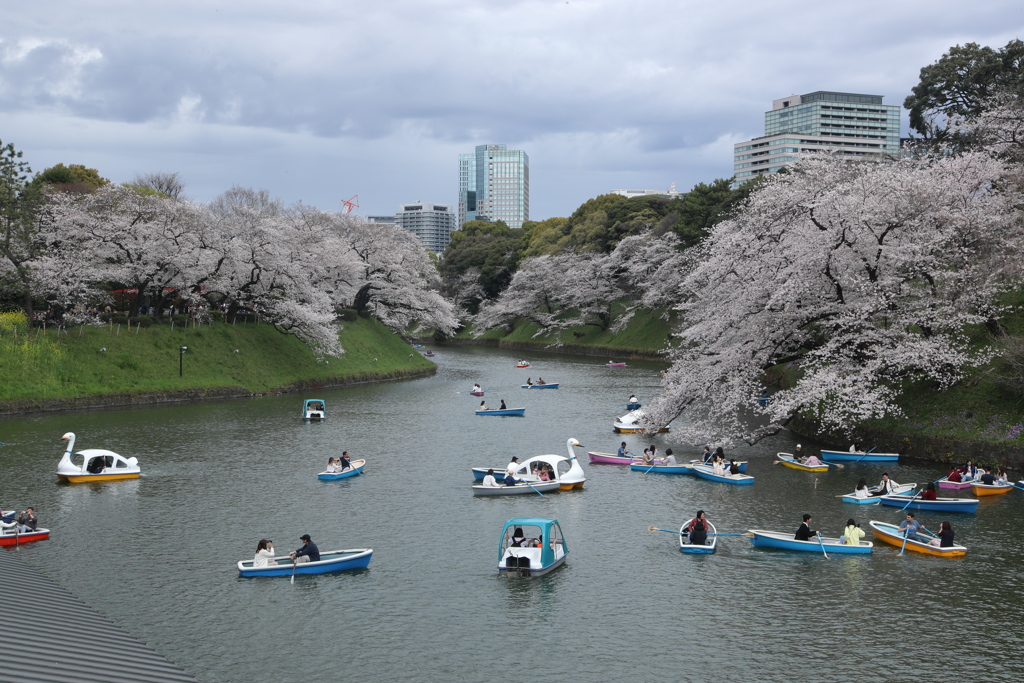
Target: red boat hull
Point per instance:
(12, 539)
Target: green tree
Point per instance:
(19, 209)
(73, 178)
(960, 83)
(492, 248)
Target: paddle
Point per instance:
(834, 464)
(670, 531)
(862, 457)
(822, 545)
(534, 488)
(295, 563)
(651, 468)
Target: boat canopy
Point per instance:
(96, 461)
(547, 531)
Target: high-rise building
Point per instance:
(494, 185)
(432, 223)
(850, 124)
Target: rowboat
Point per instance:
(567, 471)
(785, 541)
(945, 483)
(875, 500)
(498, 411)
(997, 489)
(515, 489)
(95, 464)
(314, 409)
(891, 534)
(553, 385)
(476, 393)
(522, 364)
(610, 364)
(967, 505)
(9, 535)
(610, 459)
(709, 545)
(633, 406)
(330, 561)
(788, 460)
(429, 354)
(543, 548)
(684, 468)
(742, 464)
(632, 423)
(708, 472)
(356, 468)
(847, 456)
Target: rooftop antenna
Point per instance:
(672, 187)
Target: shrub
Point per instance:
(347, 314)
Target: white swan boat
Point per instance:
(632, 423)
(95, 464)
(567, 471)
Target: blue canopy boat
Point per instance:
(535, 550)
(498, 411)
(967, 505)
(847, 456)
(709, 545)
(662, 469)
(785, 541)
(330, 561)
(708, 472)
(553, 385)
(314, 409)
(356, 468)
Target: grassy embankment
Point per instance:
(46, 368)
(645, 336)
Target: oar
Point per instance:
(651, 468)
(670, 531)
(834, 464)
(910, 501)
(295, 563)
(534, 488)
(822, 545)
(862, 457)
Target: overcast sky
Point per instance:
(318, 101)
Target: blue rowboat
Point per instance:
(742, 464)
(706, 472)
(709, 546)
(967, 505)
(846, 456)
(543, 549)
(785, 541)
(330, 561)
(540, 386)
(507, 411)
(662, 469)
(356, 468)
(633, 406)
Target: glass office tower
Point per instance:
(494, 185)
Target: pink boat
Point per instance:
(615, 365)
(476, 393)
(946, 484)
(610, 459)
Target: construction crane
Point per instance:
(350, 203)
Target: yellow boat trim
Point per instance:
(570, 487)
(804, 468)
(79, 478)
(924, 550)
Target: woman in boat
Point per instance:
(853, 533)
(264, 554)
(476, 387)
(929, 492)
(720, 454)
(862, 489)
(632, 399)
(489, 480)
(648, 457)
(707, 455)
(518, 538)
(483, 405)
(969, 471)
(718, 465)
(331, 467)
(812, 461)
(804, 532)
(954, 475)
(1001, 476)
(669, 458)
(529, 382)
(945, 539)
(698, 529)
(733, 467)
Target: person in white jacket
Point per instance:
(264, 554)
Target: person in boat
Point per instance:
(502, 405)
(910, 527)
(343, 462)
(632, 399)
(622, 452)
(476, 387)
(969, 471)
(852, 533)
(885, 486)
(669, 458)
(27, 522)
(987, 477)
(540, 380)
(518, 538)
(855, 447)
(812, 461)
(307, 553)
(954, 475)
(489, 480)
(331, 467)
(264, 554)
(929, 492)
(734, 468)
(862, 491)
(96, 465)
(483, 405)
(7, 519)
(698, 529)
(720, 454)
(718, 466)
(654, 452)
(798, 453)
(529, 382)
(510, 471)
(648, 458)
(1001, 476)
(707, 454)
(804, 532)
(945, 536)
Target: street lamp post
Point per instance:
(181, 361)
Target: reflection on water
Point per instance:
(158, 553)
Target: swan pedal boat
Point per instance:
(709, 546)
(785, 541)
(516, 489)
(789, 460)
(499, 411)
(861, 456)
(632, 423)
(891, 534)
(529, 562)
(568, 473)
(742, 464)
(330, 561)
(97, 464)
(967, 505)
(661, 468)
(610, 458)
(997, 489)
(552, 385)
(900, 490)
(356, 468)
(945, 483)
(708, 472)
(314, 409)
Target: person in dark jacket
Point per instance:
(698, 529)
(804, 533)
(307, 553)
(27, 522)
